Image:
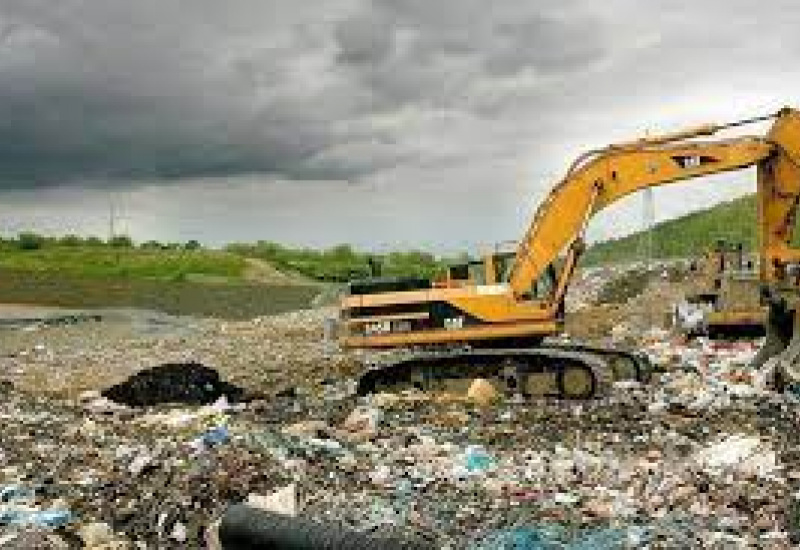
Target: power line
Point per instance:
(646, 251)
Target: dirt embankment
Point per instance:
(625, 297)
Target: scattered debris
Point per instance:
(698, 457)
(283, 501)
(739, 453)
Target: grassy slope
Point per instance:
(190, 282)
(125, 263)
(686, 236)
(235, 300)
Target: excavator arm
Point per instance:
(601, 177)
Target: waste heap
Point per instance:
(702, 457)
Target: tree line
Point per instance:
(29, 240)
(341, 263)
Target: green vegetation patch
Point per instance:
(340, 263)
(122, 262)
(687, 236)
(230, 301)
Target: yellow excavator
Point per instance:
(724, 301)
(491, 319)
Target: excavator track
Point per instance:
(562, 371)
(625, 365)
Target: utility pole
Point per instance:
(111, 216)
(649, 222)
(112, 230)
(646, 251)
(645, 245)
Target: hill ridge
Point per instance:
(685, 236)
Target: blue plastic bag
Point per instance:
(216, 436)
(47, 518)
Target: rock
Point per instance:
(364, 419)
(96, 534)
(283, 501)
(307, 428)
(482, 392)
(178, 532)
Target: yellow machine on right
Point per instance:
(484, 326)
(724, 299)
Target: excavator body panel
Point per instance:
(459, 310)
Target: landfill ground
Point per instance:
(702, 457)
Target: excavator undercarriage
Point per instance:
(556, 370)
(517, 358)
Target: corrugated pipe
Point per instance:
(246, 528)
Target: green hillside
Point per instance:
(686, 236)
(125, 263)
(263, 261)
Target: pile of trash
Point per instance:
(151, 456)
(190, 383)
(618, 283)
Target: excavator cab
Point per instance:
(493, 268)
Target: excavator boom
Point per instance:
(602, 177)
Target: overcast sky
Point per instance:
(435, 124)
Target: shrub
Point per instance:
(151, 245)
(30, 241)
(70, 240)
(121, 241)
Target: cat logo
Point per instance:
(379, 327)
(693, 161)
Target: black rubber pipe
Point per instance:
(246, 528)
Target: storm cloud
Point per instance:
(476, 105)
(100, 90)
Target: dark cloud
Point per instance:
(412, 97)
(95, 91)
(118, 90)
(435, 53)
